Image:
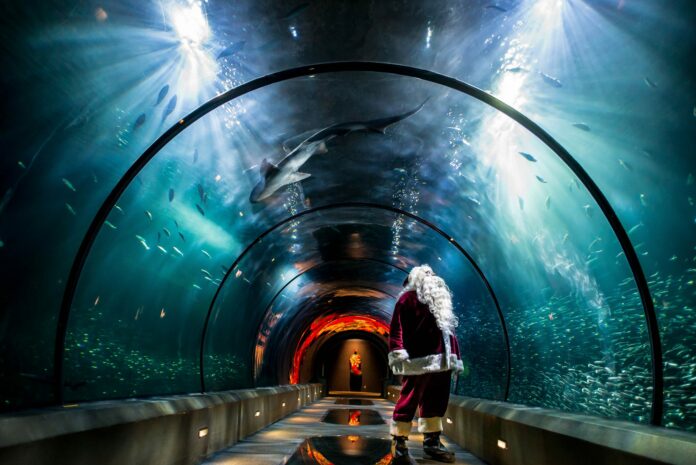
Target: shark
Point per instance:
(287, 170)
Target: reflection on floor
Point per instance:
(344, 400)
(372, 395)
(283, 441)
(342, 450)
(353, 417)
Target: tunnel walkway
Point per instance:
(315, 434)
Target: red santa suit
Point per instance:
(425, 357)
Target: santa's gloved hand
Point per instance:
(459, 367)
(397, 359)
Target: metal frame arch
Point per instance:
(389, 68)
(311, 268)
(377, 206)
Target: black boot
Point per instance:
(433, 448)
(399, 452)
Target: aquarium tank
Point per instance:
(193, 192)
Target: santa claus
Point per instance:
(424, 349)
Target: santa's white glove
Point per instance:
(458, 367)
(397, 359)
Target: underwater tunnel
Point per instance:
(208, 206)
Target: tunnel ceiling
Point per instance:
(190, 271)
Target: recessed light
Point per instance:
(258, 413)
(203, 432)
(502, 444)
(449, 421)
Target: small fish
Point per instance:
(643, 200)
(496, 7)
(149, 215)
(200, 209)
(528, 156)
(196, 286)
(179, 252)
(588, 210)
(70, 209)
(176, 224)
(139, 122)
(201, 192)
(181, 236)
(625, 165)
(565, 238)
(673, 258)
(238, 273)
(170, 108)
(582, 126)
(231, 50)
(162, 249)
(159, 237)
(515, 69)
(195, 155)
(596, 241)
(166, 231)
(21, 165)
(162, 93)
(109, 224)
(69, 185)
(144, 244)
(541, 180)
(547, 202)
(140, 238)
(206, 253)
(295, 11)
(550, 80)
(635, 228)
(649, 83)
(119, 209)
(206, 272)
(520, 202)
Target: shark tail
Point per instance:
(380, 125)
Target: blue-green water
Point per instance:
(89, 86)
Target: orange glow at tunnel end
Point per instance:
(330, 323)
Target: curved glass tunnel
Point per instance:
(92, 86)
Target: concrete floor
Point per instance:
(275, 444)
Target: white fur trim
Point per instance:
(430, 425)
(448, 344)
(398, 355)
(458, 365)
(400, 428)
(428, 364)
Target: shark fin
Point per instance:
(321, 148)
(297, 177)
(267, 167)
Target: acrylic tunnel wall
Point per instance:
(192, 284)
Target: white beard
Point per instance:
(433, 292)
